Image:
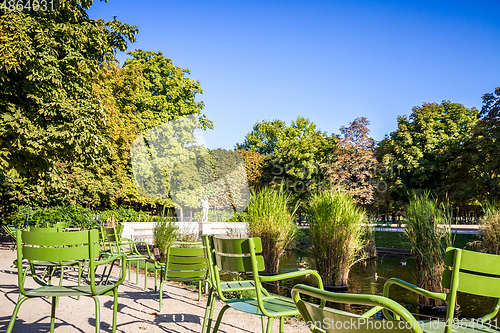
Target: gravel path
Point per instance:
(137, 309)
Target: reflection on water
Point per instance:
(368, 277)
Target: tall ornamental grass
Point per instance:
(427, 228)
(165, 233)
(270, 218)
(489, 224)
(337, 235)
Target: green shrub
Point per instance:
(165, 233)
(75, 216)
(121, 214)
(428, 232)
(336, 234)
(21, 217)
(269, 217)
(489, 224)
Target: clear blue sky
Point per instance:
(329, 61)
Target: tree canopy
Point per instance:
(264, 138)
(51, 120)
(269, 136)
(166, 92)
(70, 113)
(417, 154)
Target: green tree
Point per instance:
(486, 145)
(417, 154)
(119, 89)
(51, 120)
(295, 155)
(268, 137)
(301, 164)
(264, 138)
(167, 93)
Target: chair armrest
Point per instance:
(294, 274)
(370, 300)
(132, 243)
(410, 287)
(493, 313)
(291, 275)
(120, 256)
(108, 260)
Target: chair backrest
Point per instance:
(320, 319)
(55, 246)
(113, 240)
(238, 255)
(186, 262)
(473, 273)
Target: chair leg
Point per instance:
(50, 272)
(80, 272)
(161, 294)
(97, 314)
(14, 313)
(263, 323)
(156, 282)
(137, 272)
(60, 284)
(115, 307)
(103, 274)
(111, 264)
(269, 325)
(207, 311)
(53, 314)
(219, 318)
(146, 274)
(44, 273)
(211, 314)
(282, 324)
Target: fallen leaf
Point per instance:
(155, 314)
(142, 328)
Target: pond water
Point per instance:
(368, 277)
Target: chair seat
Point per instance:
(272, 304)
(54, 263)
(461, 325)
(56, 291)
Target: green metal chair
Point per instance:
(241, 256)
(185, 262)
(320, 319)
(59, 246)
(226, 287)
(467, 272)
(11, 232)
(129, 249)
